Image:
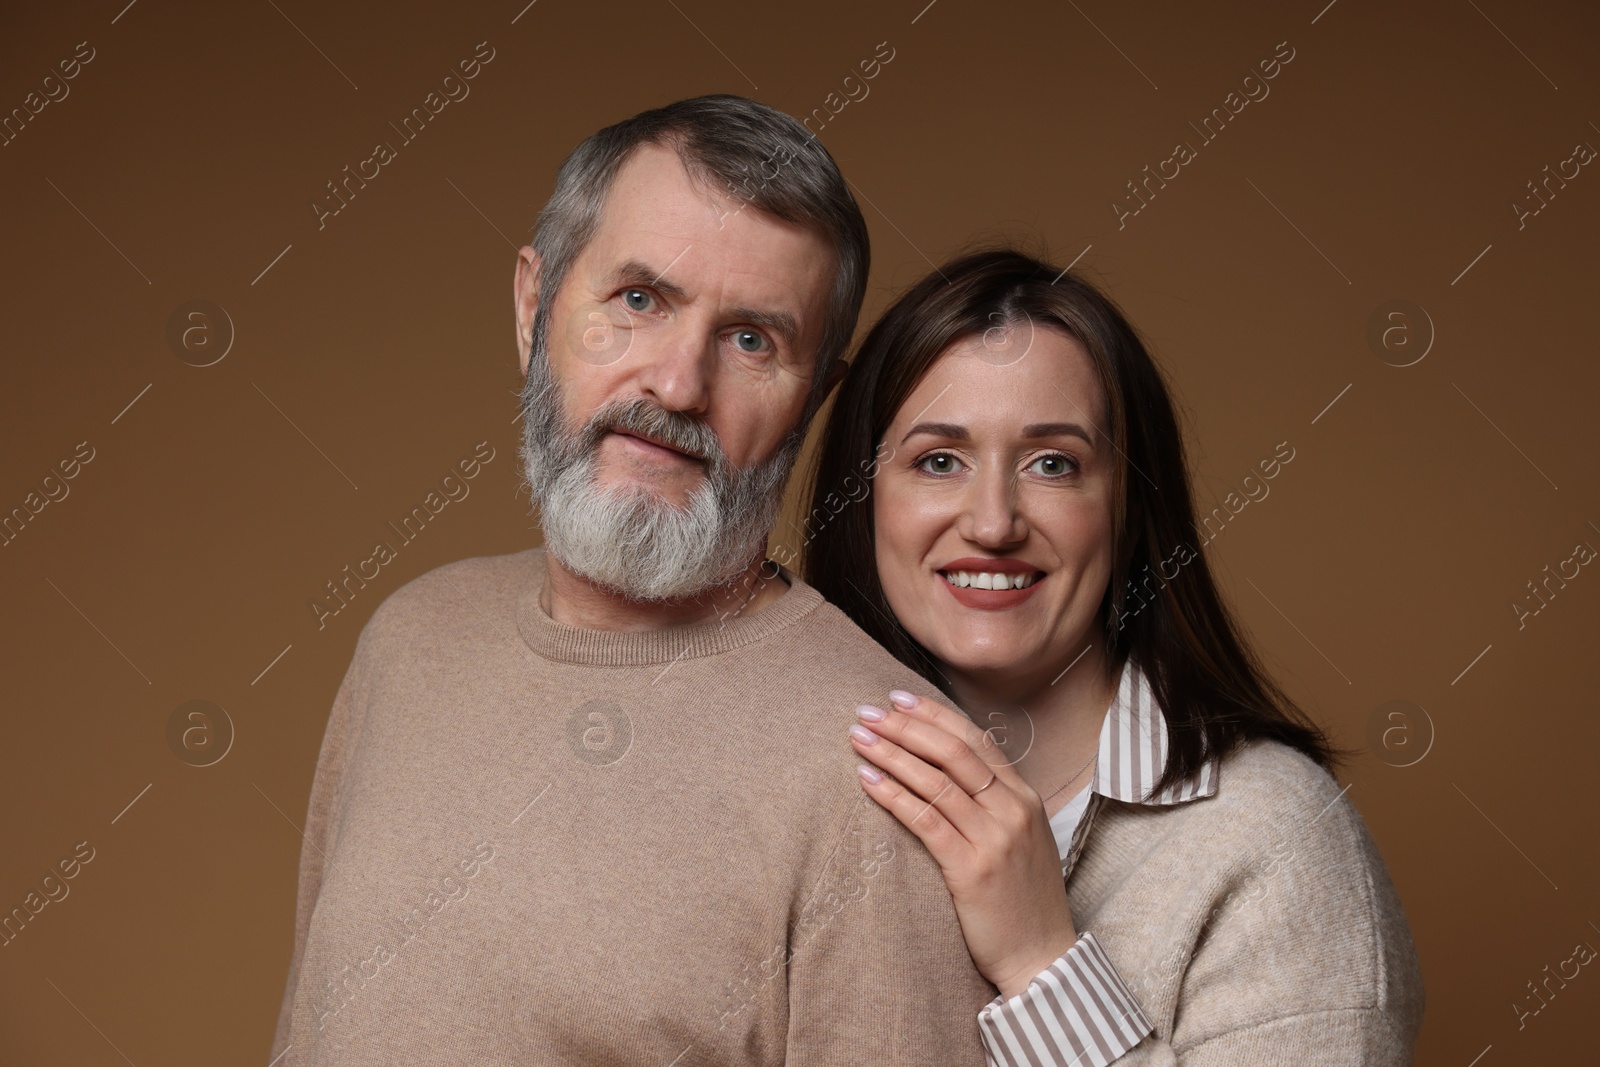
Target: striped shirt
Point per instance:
(1079, 1011)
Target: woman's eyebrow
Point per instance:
(1056, 429)
(937, 429)
(1032, 431)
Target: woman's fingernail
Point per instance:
(902, 699)
(864, 735)
(868, 773)
(868, 713)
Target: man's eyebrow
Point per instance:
(636, 272)
(781, 323)
(1032, 431)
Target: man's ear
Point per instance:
(525, 291)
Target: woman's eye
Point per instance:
(749, 341)
(939, 463)
(636, 299)
(1052, 466)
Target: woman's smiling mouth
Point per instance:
(990, 580)
(990, 584)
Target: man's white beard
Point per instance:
(627, 539)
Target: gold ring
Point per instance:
(987, 784)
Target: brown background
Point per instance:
(374, 354)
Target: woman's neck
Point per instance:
(1046, 723)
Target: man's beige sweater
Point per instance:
(530, 844)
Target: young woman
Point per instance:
(1030, 547)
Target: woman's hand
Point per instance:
(996, 849)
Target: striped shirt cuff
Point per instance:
(1076, 1013)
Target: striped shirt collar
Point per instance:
(1133, 749)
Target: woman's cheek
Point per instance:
(897, 546)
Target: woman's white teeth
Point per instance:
(988, 580)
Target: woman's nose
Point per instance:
(991, 516)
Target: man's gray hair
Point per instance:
(743, 150)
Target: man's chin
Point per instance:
(674, 492)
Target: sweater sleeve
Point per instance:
(1077, 1011)
(878, 970)
(317, 838)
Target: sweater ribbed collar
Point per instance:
(612, 648)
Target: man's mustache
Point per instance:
(650, 420)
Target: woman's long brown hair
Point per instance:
(1161, 605)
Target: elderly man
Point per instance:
(589, 803)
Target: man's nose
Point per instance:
(676, 371)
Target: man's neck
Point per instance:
(575, 601)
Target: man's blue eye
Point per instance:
(636, 299)
(749, 341)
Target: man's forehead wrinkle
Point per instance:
(646, 212)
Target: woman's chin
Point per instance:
(977, 662)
